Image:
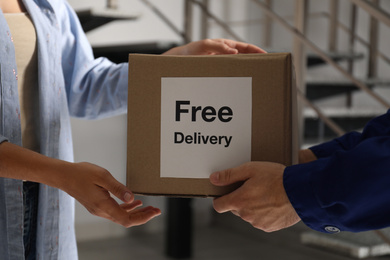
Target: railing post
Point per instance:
(204, 33)
(373, 47)
(333, 21)
(267, 33)
(112, 4)
(187, 21)
(352, 32)
(226, 14)
(299, 54)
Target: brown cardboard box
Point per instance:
(191, 115)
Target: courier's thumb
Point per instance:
(227, 177)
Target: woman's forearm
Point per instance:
(23, 164)
(90, 184)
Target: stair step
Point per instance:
(349, 119)
(358, 246)
(316, 81)
(120, 53)
(344, 112)
(96, 17)
(315, 60)
(318, 88)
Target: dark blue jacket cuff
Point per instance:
(300, 192)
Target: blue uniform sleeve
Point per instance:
(348, 189)
(95, 88)
(344, 143)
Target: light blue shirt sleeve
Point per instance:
(95, 88)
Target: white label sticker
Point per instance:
(206, 125)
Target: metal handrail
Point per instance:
(224, 25)
(358, 38)
(322, 54)
(329, 122)
(163, 17)
(374, 11)
(204, 9)
(340, 25)
(327, 59)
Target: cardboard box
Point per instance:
(189, 116)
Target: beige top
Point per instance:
(25, 42)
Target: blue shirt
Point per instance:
(348, 187)
(71, 83)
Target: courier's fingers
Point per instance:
(231, 201)
(226, 203)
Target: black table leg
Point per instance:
(179, 228)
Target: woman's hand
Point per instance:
(92, 186)
(213, 47)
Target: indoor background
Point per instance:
(215, 236)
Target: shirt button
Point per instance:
(332, 229)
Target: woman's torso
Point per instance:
(25, 43)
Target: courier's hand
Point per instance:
(91, 185)
(261, 200)
(214, 46)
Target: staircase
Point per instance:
(339, 99)
(348, 116)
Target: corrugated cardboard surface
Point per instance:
(273, 99)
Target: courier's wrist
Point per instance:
(306, 155)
